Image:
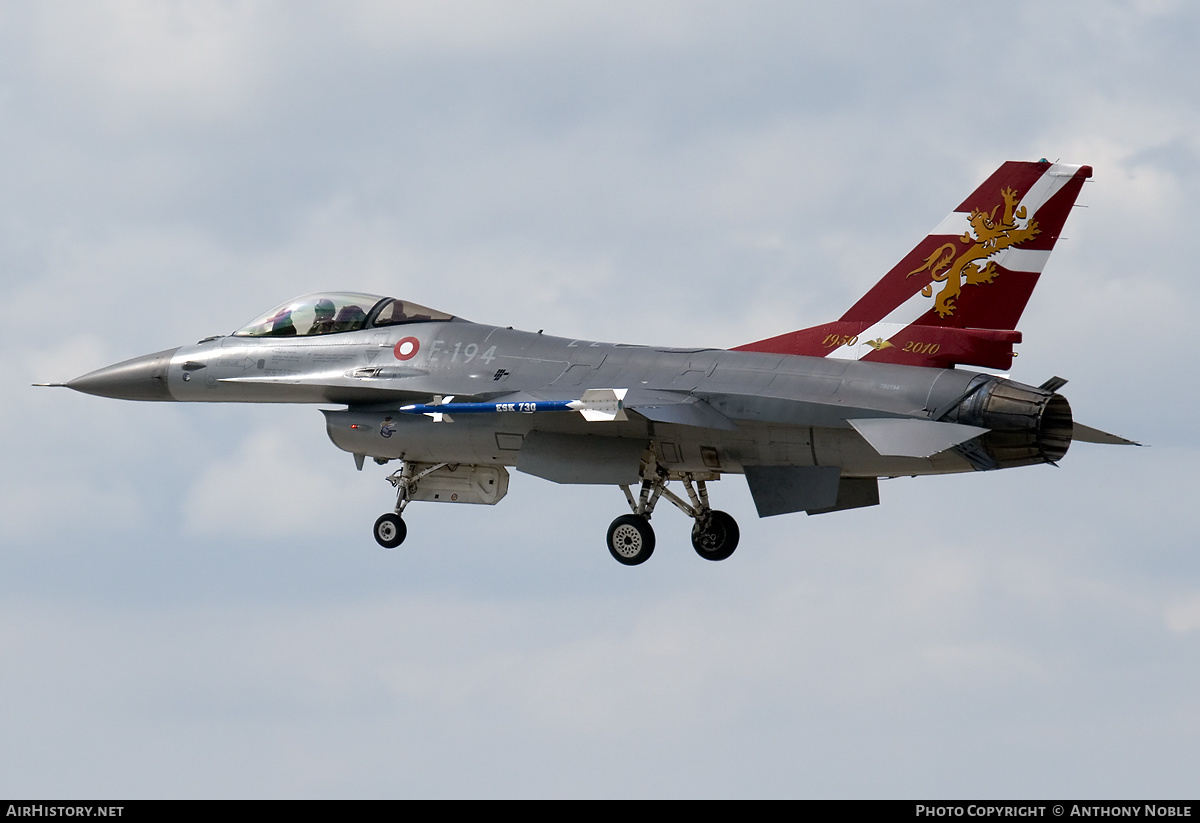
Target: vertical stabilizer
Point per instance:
(957, 296)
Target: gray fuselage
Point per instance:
(754, 409)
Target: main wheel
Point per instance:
(630, 539)
(717, 537)
(390, 530)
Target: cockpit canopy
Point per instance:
(333, 312)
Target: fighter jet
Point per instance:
(812, 418)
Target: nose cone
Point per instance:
(142, 378)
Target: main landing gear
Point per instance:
(390, 530)
(631, 539)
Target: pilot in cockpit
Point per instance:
(333, 312)
(281, 324)
(323, 321)
(349, 318)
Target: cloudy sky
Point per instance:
(191, 604)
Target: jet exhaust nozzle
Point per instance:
(1027, 425)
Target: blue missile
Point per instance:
(594, 405)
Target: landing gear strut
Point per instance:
(390, 529)
(631, 539)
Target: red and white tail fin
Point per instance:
(956, 297)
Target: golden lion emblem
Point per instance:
(990, 236)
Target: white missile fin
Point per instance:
(601, 405)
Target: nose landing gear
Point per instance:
(390, 529)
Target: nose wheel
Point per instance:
(390, 530)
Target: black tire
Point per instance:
(717, 538)
(630, 539)
(390, 530)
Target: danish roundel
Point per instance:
(407, 348)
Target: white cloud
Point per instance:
(269, 488)
(186, 58)
(1184, 617)
(67, 510)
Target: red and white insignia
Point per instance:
(407, 348)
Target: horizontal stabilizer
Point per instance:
(1086, 434)
(906, 437)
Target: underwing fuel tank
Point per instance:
(1028, 425)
